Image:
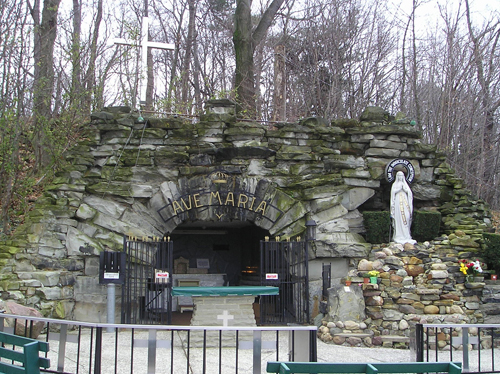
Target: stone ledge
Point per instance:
(352, 335)
(394, 338)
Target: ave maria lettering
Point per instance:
(210, 199)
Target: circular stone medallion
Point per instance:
(392, 168)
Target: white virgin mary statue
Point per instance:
(401, 209)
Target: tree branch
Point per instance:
(266, 21)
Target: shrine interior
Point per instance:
(231, 249)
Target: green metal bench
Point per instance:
(25, 361)
(330, 367)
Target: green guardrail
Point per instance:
(25, 360)
(393, 367)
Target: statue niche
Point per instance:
(401, 210)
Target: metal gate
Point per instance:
(146, 294)
(284, 264)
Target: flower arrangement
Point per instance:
(373, 273)
(470, 267)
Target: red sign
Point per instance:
(162, 276)
(271, 276)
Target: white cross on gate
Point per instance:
(145, 44)
(225, 317)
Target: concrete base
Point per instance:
(222, 311)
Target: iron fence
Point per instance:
(146, 293)
(472, 344)
(80, 347)
(284, 264)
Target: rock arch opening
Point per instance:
(231, 249)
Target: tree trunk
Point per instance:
(90, 82)
(415, 68)
(244, 47)
(76, 75)
(46, 32)
(279, 97)
(150, 77)
(196, 80)
(190, 39)
(175, 61)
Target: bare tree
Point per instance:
(90, 75)
(14, 103)
(484, 45)
(245, 40)
(190, 41)
(45, 36)
(76, 76)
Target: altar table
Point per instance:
(224, 306)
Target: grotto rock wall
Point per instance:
(117, 179)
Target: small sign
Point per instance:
(108, 275)
(272, 276)
(162, 275)
(111, 267)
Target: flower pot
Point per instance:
(366, 280)
(373, 280)
(347, 282)
(493, 277)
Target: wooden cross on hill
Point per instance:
(145, 44)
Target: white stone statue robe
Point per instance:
(401, 210)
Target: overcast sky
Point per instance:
(427, 13)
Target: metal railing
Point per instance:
(472, 344)
(80, 347)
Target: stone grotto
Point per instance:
(147, 178)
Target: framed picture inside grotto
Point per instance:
(202, 263)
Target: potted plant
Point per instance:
(348, 281)
(366, 277)
(373, 274)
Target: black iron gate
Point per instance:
(284, 264)
(146, 294)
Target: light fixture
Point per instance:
(311, 229)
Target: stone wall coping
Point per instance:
(354, 335)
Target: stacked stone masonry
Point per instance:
(419, 283)
(118, 178)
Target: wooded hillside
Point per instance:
(290, 59)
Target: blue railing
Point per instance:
(80, 347)
(472, 344)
